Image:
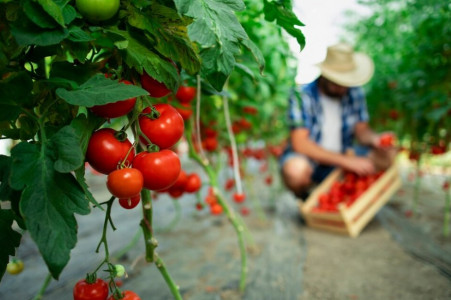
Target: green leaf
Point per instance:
(281, 12)
(169, 31)
(219, 33)
(9, 239)
(80, 176)
(76, 34)
(53, 10)
(37, 15)
(68, 151)
(5, 169)
(83, 128)
(100, 90)
(15, 93)
(140, 57)
(27, 34)
(258, 55)
(48, 203)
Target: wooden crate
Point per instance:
(351, 220)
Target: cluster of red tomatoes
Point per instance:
(185, 183)
(347, 191)
(160, 127)
(212, 201)
(98, 290)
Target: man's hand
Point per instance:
(384, 141)
(360, 165)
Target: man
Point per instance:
(330, 115)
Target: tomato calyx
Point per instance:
(91, 278)
(153, 148)
(121, 135)
(153, 114)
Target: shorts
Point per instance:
(320, 172)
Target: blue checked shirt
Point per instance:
(305, 111)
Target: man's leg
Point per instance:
(296, 173)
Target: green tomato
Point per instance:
(119, 270)
(15, 267)
(97, 10)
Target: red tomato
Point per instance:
(216, 209)
(159, 169)
(211, 200)
(185, 94)
(245, 211)
(229, 184)
(156, 89)
(185, 111)
(250, 110)
(127, 295)
(199, 206)
(181, 181)
(446, 185)
(239, 197)
(116, 109)
(210, 144)
(268, 180)
(125, 183)
(193, 183)
(175, 193)
(323, 198)
(164, 131)
(131, 202)
(386, 140)
(90, 291)
(105, 152)
(210, 132)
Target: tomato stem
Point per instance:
(172, 286)
(44, 286)
(446, 217)
(230, 213)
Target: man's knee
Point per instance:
(297, 173)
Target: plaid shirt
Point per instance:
(306, 112)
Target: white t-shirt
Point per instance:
(331, 123)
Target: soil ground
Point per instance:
(397, 256)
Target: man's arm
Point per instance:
(365, 135)
(302, 144)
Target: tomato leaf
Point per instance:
(48, 203)
(99, 90)
(218, 32)
(9, 239)
(140, 57)
(258, 55)
(27, 34)
(169, 31)
(37, 15)
(15, 93)
(5, 168)
(68, 152)
(282, 13)
(53, 10)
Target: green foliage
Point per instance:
(9, 238)
(410, 43)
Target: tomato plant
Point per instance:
(159, 169)
(107, 149)
(97, 10)
(97, 290)
(164, 130)
(125, 183)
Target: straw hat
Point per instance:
(346, 67)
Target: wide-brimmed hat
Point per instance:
(346, 67)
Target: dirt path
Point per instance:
(286, 259)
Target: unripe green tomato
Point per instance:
(15, 267)
(120, 270)
(97, 10)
